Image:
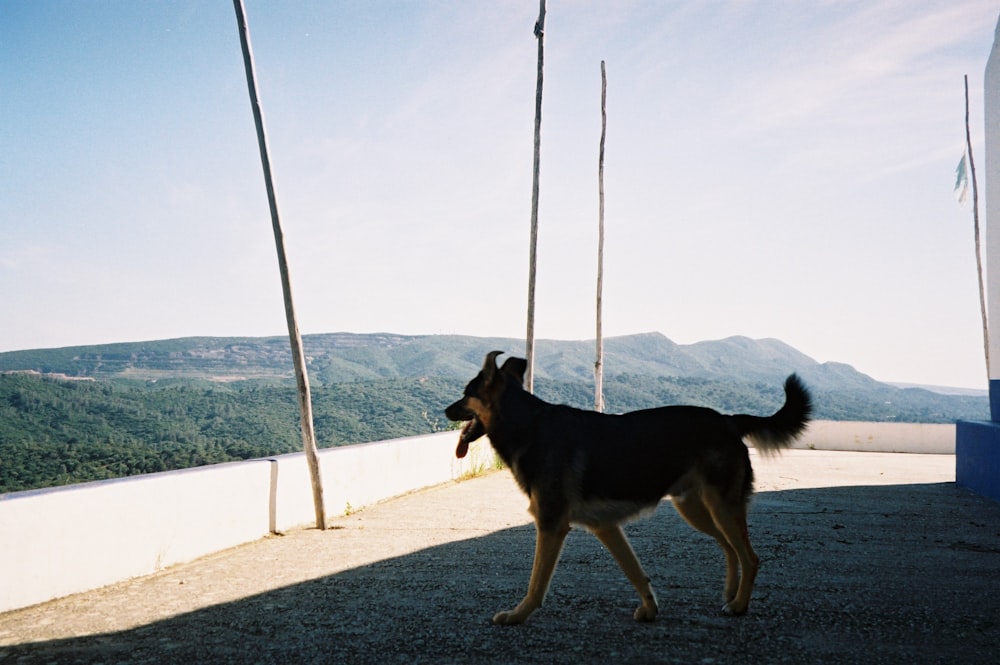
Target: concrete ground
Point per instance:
(865, 558)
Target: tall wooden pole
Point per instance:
(599, 363)
(529, 377)
(298, 357)
(975, 218)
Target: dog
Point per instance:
(599, 471)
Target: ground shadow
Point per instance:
(906, 573)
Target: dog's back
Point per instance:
(643, 455)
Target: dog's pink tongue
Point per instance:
(463, 441)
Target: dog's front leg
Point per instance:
(614, 539)
(548, 546)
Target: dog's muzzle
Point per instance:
(472, 430)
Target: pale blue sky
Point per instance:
(774, 169)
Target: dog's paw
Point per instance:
(509, 618)
(644, 613)
(732, 609)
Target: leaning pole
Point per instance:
(599, 362)
(977, 443)
(529, 352)
(298, 356)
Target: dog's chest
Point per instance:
(602, 512)
(599, 509)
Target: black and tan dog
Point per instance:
(599, 471)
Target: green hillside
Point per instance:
(88, 413)
(55, 432)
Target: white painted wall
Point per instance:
(991, 225)
(66, 540)
(879, 437)
(363, 474)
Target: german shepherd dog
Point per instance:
(599, 471)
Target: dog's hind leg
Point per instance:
(695, 513)
(548, 546)
(614, 539)
(731, 520)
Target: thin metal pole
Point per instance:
(298, 357)
(529, 377)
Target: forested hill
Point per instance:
(84, 413)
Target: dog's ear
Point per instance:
(490, 366)
(515, 367)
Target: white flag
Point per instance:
(962, 181)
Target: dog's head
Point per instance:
(479, 405)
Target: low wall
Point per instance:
(363, 474)
(65, 540)
(69, 539)
(79, 537)
(879, 437)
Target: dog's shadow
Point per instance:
(902, 572)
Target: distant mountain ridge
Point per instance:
(345, 357)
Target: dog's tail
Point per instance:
(772, 434)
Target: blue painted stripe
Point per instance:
(995, 400)
(977, 457)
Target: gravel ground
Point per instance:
(866, 558)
